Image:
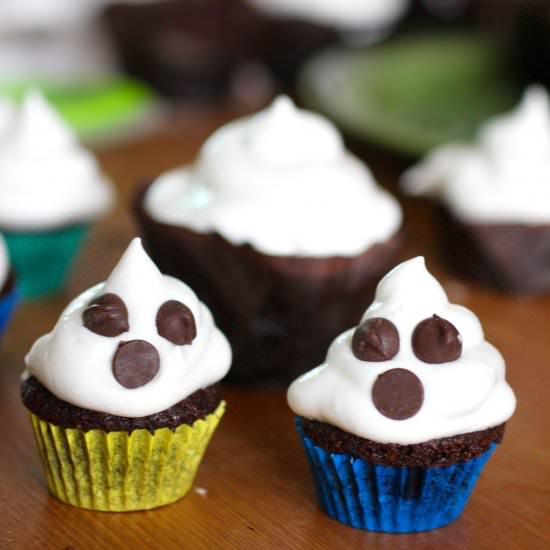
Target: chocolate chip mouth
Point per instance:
(398, 394)
(135, 363)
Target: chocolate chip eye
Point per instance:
(436, 340)
(398, 394)
(375, 339)
(176, 323)
(106, 315)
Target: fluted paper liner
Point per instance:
(122, 471)
(392, 499)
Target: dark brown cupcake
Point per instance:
(514, 258)
(184, 48)
(279, 313)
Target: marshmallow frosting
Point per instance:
(461, 396)
(46, 178)
(4, 264)
(346, 14)
(281, 181)
(75, 364)
(502, 177)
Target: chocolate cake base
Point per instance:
(40, 401)
(279, 313)
(514, 258)
(436, 452)
(184, 48)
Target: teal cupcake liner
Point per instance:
(391, 499)
(42, 259)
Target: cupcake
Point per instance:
(274, 221)
(8, 293)
(122, 393)
(495, 198)
(183, 48)
(50, 190)
(296, 29)
(407, 408)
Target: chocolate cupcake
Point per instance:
(51, 188)
(495, 201)
(183, 48)
(294, 30)
(122, 393)
(407, 408)
(281, 230)
(8, 293)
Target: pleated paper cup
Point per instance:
(42, 259)
(391, 499)
(121, 471)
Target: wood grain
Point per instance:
(254, 489)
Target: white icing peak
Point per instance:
(283, 135)
(39, 128)
(46, 178)
(461, 396)
(502, 177)
(285, 164)
(4, 263)
(75, 364)
(346, 14)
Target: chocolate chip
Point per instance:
(176, 323)
(398, 394)
(135, 363)
(106, 315)
(436, 340)
(375, 339)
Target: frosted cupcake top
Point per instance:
(4, 264)
(46, 178)
(281, 181)
(416, 368)
(346, 14)
(132, 346)
(503, 177)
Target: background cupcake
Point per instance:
(495, 198)
(281, 230)
(122, 392)
(296, 29)
(8, 294)
(407, 408)
(50, 190)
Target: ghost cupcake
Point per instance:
(274, 222)
(122, 393)
(400, 419)
(495, 198)
(8, 293)
(50, 190)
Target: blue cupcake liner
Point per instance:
(391, 499)
(7, 305)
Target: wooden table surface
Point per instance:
(254, 489)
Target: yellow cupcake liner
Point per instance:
(121, 471)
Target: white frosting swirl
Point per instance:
(4, 263)
(346, 14)
(461, 396)
(46, 178)
(75, 364)
(503, 177)
(281, 181)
